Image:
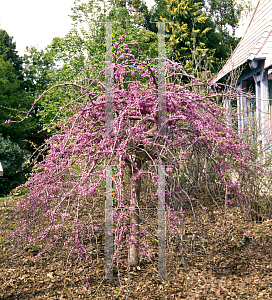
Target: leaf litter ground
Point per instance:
(222, 263)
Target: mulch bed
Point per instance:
(224, 264)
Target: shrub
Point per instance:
(12, 158)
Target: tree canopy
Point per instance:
(197, 134)
(14, 99)
(200, 28)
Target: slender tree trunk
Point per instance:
(134, 217)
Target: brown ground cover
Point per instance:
(226, 264)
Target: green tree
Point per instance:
(14, 100)
(8, 53)
(39, 71)
(226, 15)
(189, 29)
(203, 32)
(12, 158)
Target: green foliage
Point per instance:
(13, 159)
(226, 15)
(13, 102)
(200, 33)
(40, 72)
(14, 99)
(187, 27)
(8, 53)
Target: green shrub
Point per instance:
(13, 159)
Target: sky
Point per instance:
(37, 22)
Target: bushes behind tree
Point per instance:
(13, 159)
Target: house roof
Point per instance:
(256, 42)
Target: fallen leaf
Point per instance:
(50, 275)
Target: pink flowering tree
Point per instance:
(199, 148)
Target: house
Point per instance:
(251, 63)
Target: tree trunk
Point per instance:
(134, 217)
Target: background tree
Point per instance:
(226, 16)
(204, 31)
(39, 71)
(8, 52)
(190, 31)
(22, 79)
(12, 158)
(14, 99)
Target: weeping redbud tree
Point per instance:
(199, 148)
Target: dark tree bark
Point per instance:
(134, 218)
